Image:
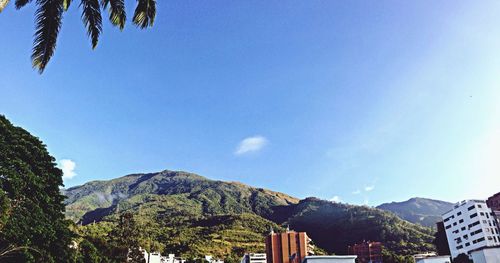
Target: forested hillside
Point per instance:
(422, 211)
(193, 216)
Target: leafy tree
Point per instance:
(29, 182)
(49, 15)
(88, 253)
(125, 238)
(462, 258)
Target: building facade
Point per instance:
(486, 255)
(254, 258)
(494, 204)
(367, 252)
(288, 247)
(329, 259)
(470, 225)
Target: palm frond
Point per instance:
(117, 15)
(21, 3)
(91, 17)
(48, 18)
(66, 4)
(3, 4)
(145, 13)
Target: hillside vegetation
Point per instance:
(192, 216)
(422, 211)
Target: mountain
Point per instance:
(422, 211)
(191, 215)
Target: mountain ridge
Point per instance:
(191, 215)
(419, 210)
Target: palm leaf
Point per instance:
(21, 3)
(91, 16)
(116, 10)
(48, 18)
(145, 13)
(66, 4)
(3, 4)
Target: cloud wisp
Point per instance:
(369, 188)
(336, 199)
(68, 167)
(251, 144)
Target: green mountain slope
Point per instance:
(334, 226)
(192, 216)
(169, 191)
(417, 210)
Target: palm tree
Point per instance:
(49, 16)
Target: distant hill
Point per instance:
(422, 211)
(192, 215)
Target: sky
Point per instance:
(362, 102)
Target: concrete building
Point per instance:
(156, 257)
(254, 258)
(431, 258)
(288, 247)
(470, 225)
(486, 255)
(494, 204)
(367, 252)
(329, 259)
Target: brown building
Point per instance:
(288, 247)
(367, 252)
(494, 204)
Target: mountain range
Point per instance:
(191, 215)
(423, 211)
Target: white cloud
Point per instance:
(357, 192)
(68, 168)
(336, 199)
(369, 188)
(251, 144)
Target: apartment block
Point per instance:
(287, 247)
(469, 226)
(367, 252)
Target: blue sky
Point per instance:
(359, 101)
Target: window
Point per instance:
(473, 215)
(454, 223)
(460, 247)
(459, 213)
(470, 208)
(463, 228)
(460, 221)
(479, 206)
(448, 227)
(467, 244)
(473, 224)
(481, 213)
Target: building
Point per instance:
(288, 247)
(431, 258)
(254, 258)
(470, 225)
(486, 255)
(156, 257)
(329, 259)
(367, 252)
(494, 204)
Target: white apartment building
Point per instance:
(470, 225)
(254, 258)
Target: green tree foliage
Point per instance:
(125, 238)
(49, 15)
(462, 258)
(34, 208)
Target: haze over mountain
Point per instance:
(418, 210)
(192, 215)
